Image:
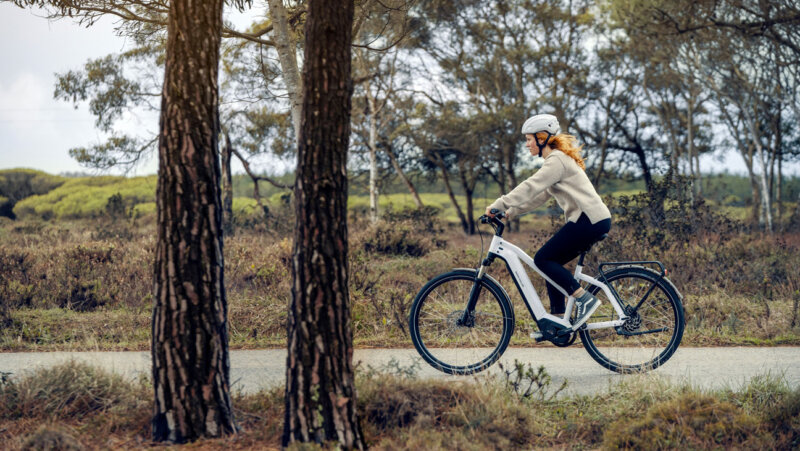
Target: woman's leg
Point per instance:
(564, 246)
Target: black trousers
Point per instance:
(564, 246)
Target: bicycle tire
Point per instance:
(441, 342)
(662, 310)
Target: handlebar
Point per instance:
(494, 221)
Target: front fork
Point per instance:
(467, 318)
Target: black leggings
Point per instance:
(564, 246)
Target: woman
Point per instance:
(563, 177)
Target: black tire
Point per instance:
(456, 349)
(662, 310)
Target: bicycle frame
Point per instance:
(514, 257)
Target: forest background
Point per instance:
(441, 89)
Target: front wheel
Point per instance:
(650, 336)
(444, 340)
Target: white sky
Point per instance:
(36, 131)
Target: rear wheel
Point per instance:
(650, 336)
(436, 325)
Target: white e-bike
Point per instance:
(461, 321)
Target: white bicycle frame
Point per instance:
(514, 257)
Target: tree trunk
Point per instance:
(451, 194)
(373, 158)
(287, 58)
(320, 389)
(189, 332)
(468, 192)
(227, 188)
(402, 174)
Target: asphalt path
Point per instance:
(253, 370)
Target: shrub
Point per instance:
(87, 197)
(70, 390)
(397, 238)
(85, 267)
(51, 438)
(692, 420)
(17, 184)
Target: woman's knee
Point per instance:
(541, 258)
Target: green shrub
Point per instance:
(17, 184)
(87, 197)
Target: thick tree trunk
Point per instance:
(190, 335)
(320, 388)
(287, 58)
(227, 187)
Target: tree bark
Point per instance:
(227, 187)
(287, 58)
(373, 156)
(189, 331)
(320, 389)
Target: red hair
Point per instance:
(567, 144)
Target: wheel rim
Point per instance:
(453, 347)
(638, 352)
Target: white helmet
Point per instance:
(541, 123)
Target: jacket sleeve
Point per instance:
(531, 193)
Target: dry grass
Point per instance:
(74, 406)
(67, 286)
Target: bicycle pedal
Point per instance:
(538, 336)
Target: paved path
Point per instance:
(256, 369)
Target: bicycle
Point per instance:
(466, 314)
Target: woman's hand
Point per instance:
(491, 215)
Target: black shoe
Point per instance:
(584, 307)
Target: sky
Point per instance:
(36, 131)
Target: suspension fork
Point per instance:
(468, 317)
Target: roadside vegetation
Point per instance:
(86, 283)
(75, 406)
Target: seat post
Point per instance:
(580, 259)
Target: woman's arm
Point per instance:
(531, 193)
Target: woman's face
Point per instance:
(530, 143)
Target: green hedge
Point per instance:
(87, 197)
(20, 183)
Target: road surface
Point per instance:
(252, 370)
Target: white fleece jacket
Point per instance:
(560, 177)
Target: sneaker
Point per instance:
(537, 336)
(584, 307)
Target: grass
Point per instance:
(76, 406)
(86, 285)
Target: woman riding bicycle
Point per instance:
(563, 177)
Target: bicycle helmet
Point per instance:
(541, 123)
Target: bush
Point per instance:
(71, 390)
(692, 420)
(51, 438)
(398, 238)
(87, 197)
(17, 184)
